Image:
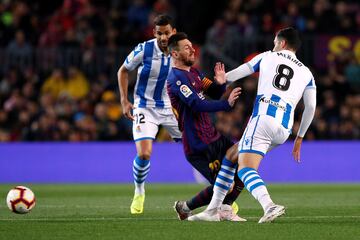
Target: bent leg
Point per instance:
(232, 153)
(249, 163)
(247, 172)
(238, 185)
(234, 193)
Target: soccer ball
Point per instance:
(20, 200)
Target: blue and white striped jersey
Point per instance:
(282, 81)
(153, 69)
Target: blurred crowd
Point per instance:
(338, 110)
(78, 23)
(58, 64)
(261, 17)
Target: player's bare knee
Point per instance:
(232, 154)
(145, 155)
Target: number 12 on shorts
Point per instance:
(139, 118)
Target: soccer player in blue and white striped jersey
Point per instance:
(152, 106)
(283, 81)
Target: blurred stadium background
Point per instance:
(58, 61)
(61, 119)
(58, 65)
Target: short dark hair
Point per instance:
(291, 36)
(163, 20)
(174, 40)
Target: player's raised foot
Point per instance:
(226, 213)
(137, 205)
(211, 215)
(235, 207)
(272, 212)
(182, 210)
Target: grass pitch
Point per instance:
(102, 212)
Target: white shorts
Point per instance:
(147, 122)
(262, 134)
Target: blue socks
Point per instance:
(223, 183)
(255, 185)
(141, 169)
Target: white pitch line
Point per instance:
(85, 219)
(152, 219)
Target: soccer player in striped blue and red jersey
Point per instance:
(205, 148)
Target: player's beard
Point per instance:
(163, 45)
(187, 61)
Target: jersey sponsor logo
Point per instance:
(185, 90)
(271, 102)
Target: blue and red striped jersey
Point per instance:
(186, 91)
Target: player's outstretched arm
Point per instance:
(123, 81)
(239, 72)
(308, 115)
(246, 69)
(199, 104)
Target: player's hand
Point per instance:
(126, 108)
(297, 148)
(234, 95)
(219, 70)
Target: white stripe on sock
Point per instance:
(249, 185)
(226, 175)
(231, 169)
(139, 167)
(223, 182)
(142, 173)
(247, 173)
(252, 177)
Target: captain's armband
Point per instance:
(206, 83)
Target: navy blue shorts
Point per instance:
(208, 161)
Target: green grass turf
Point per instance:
(102, 212)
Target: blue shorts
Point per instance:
(208, 161)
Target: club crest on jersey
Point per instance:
(185, 90)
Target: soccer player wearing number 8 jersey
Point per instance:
(283, 81)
